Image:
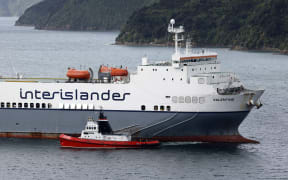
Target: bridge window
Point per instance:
(143, 107)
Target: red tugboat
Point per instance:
(99, 135)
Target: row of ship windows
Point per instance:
(199, 60)
(25, 105)
(183, 70)
(188, 99)
(157, 108)
(201, 68)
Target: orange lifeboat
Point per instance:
(78, 74)
(114, 71)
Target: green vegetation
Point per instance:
(15, 7)
(81, 14)
(249, 24)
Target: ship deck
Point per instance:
(34, 80)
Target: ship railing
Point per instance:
(200, 62)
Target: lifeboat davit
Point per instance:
(78, 74)
(114, 71)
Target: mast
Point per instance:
(176, 32)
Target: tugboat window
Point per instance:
(161, 108)
(143, 108)
(155, 108)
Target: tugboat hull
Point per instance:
(73, 142)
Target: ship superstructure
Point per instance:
(186, 98)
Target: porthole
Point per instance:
(49, 105)
(14, 105)
(194, 100)
(187, 99)
(201, 81)
(143, 107)
(168, 108)
(37, 105)
(155, 108)
(8, 105)
(19, 105)
(181, 99)
(162, 108)
(25, 105)
(43, 105)
(2, 104)
(174, 99)
(202, 100)
(166, 69)
(31, 105)
(141, 69)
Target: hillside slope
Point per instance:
(15, 7)
(81, 14)
(249, 24)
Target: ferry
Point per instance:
(99, 135)
(187, 98)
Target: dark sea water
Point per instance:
(48, 53)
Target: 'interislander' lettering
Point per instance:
(73, 95)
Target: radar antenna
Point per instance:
(176, 31)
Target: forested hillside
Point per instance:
(251, 24)
(81, 14)
(15, 7)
